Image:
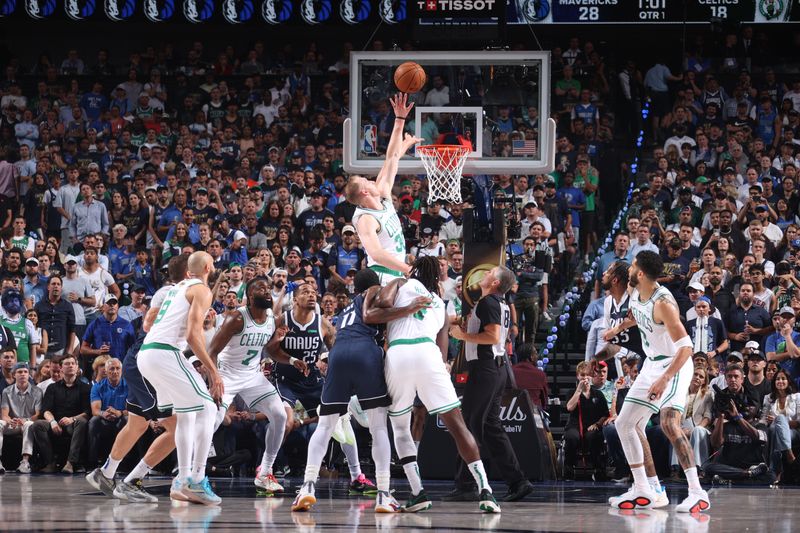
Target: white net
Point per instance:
(443, 164)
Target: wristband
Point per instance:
(736, 418)
(53, 423)
(292, 360)
(399, 118)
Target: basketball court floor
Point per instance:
(56, 503)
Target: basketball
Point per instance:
(409, 77)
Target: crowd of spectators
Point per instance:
(717, 199)
(109, 166)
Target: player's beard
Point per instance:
(262, 302)
(633, 281)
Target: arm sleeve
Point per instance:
(771, 343)
(88, 335)
(87, 405)
(47, 401)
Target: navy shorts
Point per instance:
(142, 398)
(308, 392)
(354, 368)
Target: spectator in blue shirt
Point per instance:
(345, 256)
(108, 334)
(108, 401)
(621, 252)
(94, 103)
(35, 287)
(782, 346)
(576, 201)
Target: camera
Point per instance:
(723, 399)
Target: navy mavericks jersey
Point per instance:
(303, 341)
(350, 325)
(629, 338)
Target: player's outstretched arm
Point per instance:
(401, 108)
(328, 333)
(379, 304)
(231, 326)
(367, 228)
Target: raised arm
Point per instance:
(401, 109)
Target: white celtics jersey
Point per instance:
(655, 337)
(390, 231)
(242, 354)
(169, 326)
(421, 326)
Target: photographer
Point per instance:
(588, 411)
(530, 280)
(742, 445)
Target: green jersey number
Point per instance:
(395, 231)
(250, 355)
(163, 310)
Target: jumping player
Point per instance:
(236, 348)
(142, 406)
(375, 219)
(179, 384)
(661, 387)
(355, 366)
(415, 365)
(308, 336)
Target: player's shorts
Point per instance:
(385, 275)
(142, 399)
(354, 368)
(307, 392)
(251, 388)
(674, 395)
(417, 368)
(178, 383)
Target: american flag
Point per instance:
(519, 147)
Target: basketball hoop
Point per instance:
(444, 164)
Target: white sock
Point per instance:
(184, 443)
(655, 483)
(479, 473)
(692, 478)
(138, 472)
(640, 477)
(383, 481)
(109, 468)
(412, 473)
(312, 473)
(204, 434)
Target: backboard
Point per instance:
(498, 101)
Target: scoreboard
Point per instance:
(608, 11)
(643, 11)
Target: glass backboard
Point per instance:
(497, 101)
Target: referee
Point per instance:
(487, 330)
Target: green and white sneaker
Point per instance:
(487, 502)
(417, 503)
(133, 492)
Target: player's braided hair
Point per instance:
(426, 271)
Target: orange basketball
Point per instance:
(409, 77)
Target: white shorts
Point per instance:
(252, 388)
(178, 384)
(385, 275)
(674, 395)
(418, 369)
